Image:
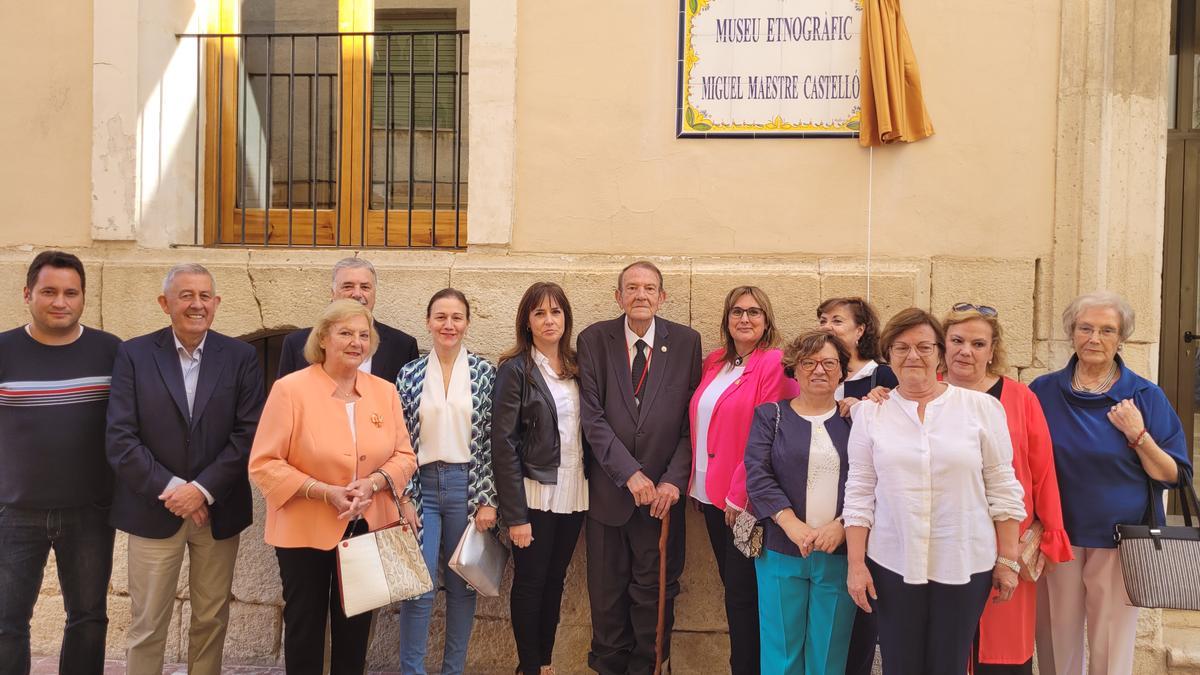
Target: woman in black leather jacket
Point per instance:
(538, 465)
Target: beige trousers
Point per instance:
(1086, 595)
(153, 576)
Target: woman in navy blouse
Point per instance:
(1116, 440)
(796, 468)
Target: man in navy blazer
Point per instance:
(637, 374)
(182, 413)
(355, 279)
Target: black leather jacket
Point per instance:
(525, 441)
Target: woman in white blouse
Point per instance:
(537, 455)
(932, 506)
(447, 401)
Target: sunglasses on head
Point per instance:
(982, 309)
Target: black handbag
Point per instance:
(1161, 563)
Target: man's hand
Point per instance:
(200, 516)
(642, 488)
(184, 500)
(665, 497)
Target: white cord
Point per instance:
(870, 206)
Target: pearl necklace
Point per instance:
(1102, 386)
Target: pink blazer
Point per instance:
(304, 433)
(763, 381)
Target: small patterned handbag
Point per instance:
(747, 532)
(381, 567)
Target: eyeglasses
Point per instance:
(752, 312)
(828, 365)
(923, 349)
(982, 309)
(1107, 332)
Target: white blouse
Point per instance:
(446, 413)
(704, 412)
(824, 474)
(930, 492)
(570, 493)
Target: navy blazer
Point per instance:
(777, 468)
(151, 437)
(624, 438)
(396, 349)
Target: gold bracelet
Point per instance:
(308, 487)
(325, 496)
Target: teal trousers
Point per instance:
(805, 613)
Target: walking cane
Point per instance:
(661, 630)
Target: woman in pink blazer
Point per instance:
(328, 435)
(741, 374)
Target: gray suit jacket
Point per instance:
(624, 438)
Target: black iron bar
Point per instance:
(291, 130)
(270, 174)
(199, 104)
(337, 202)
(387, 135)
(314, 93)
(412, 114)
(242, 140)
(365, 139)
(220, 121)
(457, 136)
(460, 31)
(437, 58)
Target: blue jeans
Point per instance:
(443, 520)
(83, 543)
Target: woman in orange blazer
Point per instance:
(328, 435)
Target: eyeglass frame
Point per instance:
(836, 368)
(934, 348)
(752, 312)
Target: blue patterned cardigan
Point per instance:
(481, 489)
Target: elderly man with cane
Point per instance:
(637, 374)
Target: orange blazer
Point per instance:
(304, 433)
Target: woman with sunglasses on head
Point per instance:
(1117, 444)
(744, 372)
(932, 506)
(538, 454)
(975, 359)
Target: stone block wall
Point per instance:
(273, 290)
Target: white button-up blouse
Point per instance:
(930, 492)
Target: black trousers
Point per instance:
(311, 596)
(741, 593)
(537, 587)
(622, 565)
(927, 629)
(860, 656)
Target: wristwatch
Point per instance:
(1010, 564)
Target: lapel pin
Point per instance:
(376, 419)
(664, 348)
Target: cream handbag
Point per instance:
(480, 559)
(381, 567)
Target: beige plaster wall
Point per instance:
(600, 169)
(45, 138)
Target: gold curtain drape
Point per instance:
(893, 109)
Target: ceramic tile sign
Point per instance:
(769, 68)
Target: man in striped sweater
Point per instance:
(55, 484)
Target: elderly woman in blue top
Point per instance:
(1114, 434)
(796, 468)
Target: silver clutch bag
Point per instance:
(480, 559)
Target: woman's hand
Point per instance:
(1004, 581)
(801, 535)
(879, 394)
(347, 503)
(829, 536)
(731, 515)
(1126, 417)
(485, 518)
(520, 535)
(408, 512)
(861, 586)
(846, 404)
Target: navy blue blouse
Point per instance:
(777, 468)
